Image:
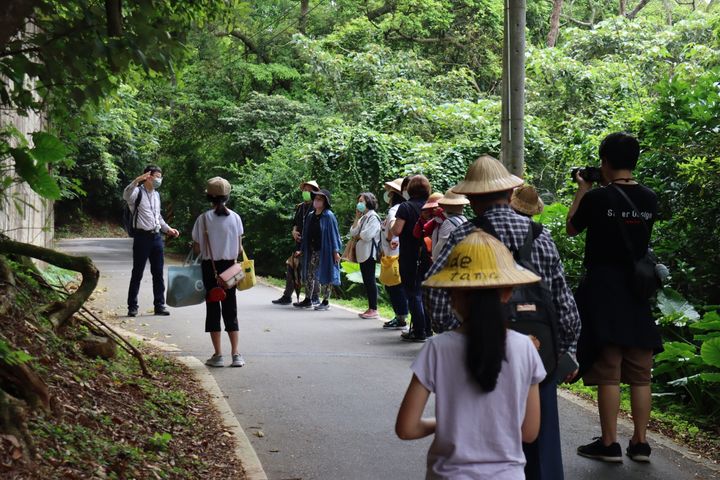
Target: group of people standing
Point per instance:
(496, 404)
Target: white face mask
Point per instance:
(156, 182)
(386, 197)
(406, 195)
(318, 204)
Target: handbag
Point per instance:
(645, 279)
(225, 280)
(349, 253)
(390, 270)
(248, 269)
(185, 283)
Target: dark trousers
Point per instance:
(420, 326)
(398, 300)
(544, 455)
(367, 269)
(227, 307)
(147, 246)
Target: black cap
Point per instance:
(325, 194)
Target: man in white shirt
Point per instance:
(147, 243)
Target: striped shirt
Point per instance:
(511, 229)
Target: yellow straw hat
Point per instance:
(394, 185)
(486, 175)
(452, 198)
(525, 199)
(480, 261)
(432, 200)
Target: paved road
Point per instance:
(324, 387)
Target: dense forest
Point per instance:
(356, 92)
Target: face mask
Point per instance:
(386, 197)
(406, 195)
(156, 182)
(306, 196)
(360, 207)
(318, 204)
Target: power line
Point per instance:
(291, 24)
(277, 20)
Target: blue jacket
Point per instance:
(329, 271)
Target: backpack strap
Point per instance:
(137, 203)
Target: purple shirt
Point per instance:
(478, 434)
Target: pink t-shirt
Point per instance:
(478, 434)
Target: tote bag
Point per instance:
(185, 283)
(390, 270)
(349, 253)
(248, 267)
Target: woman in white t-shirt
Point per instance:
(224, 230)
(390, 247)
(485, 377)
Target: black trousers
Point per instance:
(228, 307)
(367, 269)
(147, 246)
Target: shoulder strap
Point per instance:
(621, 225)
(526, 250)
(137, 203)
(207, 242)
(452, 220)
(632, 205)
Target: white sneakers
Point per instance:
(217, 361)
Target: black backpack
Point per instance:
(130, 216)
(531, 309)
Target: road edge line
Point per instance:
(244, 450)
(656, 437)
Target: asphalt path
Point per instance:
(320, 390)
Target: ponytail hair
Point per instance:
(486, 324)
(219, 204)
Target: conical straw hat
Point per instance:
(394, 185)
(526, 200)
(432, 200)
(480, 261)
(312, 183)
(487, 175)
(452, 198)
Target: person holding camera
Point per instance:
(619, 335)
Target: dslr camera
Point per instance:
(589, 174)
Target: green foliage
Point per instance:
(160, 442)
(11, 356)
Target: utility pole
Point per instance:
(513, 88)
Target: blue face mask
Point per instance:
(156, 182)
(360, 207)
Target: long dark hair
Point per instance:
(219, 204)
(486, 330)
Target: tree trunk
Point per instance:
(387, 7)
(22, 382)
(554, 23)
(513, 143)
(637, 9)
(59, 316)
(621, 11)
(302, 21)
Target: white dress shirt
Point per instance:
(148, 217)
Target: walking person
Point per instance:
(302, 210)
(366, 230)
(526, 201)
(488, 185)
(447, 218)
(217, 236)
(321, 247)
(414, 259)
(391, 248)
(619, 337)
(484, 376)
(147, 243)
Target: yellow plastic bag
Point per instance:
(390, 270)
(248, 280)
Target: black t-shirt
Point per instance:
(409, 245)
(315, 233)
(599, 211)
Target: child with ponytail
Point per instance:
(485, 377)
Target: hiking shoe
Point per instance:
(215, 361)
(597, 451)
(395, 324)
(413, 337)
(325, 305)
(304, 304)
(369, 314)
(640, 452)
(283, 301)
(132, 312)
(237, 360)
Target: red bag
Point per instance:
(216, 294)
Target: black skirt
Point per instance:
(612, 315)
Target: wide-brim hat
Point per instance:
(452, 198)
(432, 200)
(218, 187)
(312, 183)
(525, 199)
(323, 193)
(480, 261)
(394, 185)
(487, 175)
